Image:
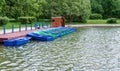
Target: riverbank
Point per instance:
(93, 25)
(100, 21)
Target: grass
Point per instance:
(96, 22)
(100, 22)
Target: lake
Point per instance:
(88, 49)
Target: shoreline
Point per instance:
(70, 25)
(93, 25)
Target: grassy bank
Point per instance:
(94, 22)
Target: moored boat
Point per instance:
(17, 41)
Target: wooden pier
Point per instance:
(8, 36)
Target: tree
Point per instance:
(17, 8)
(2, 3)
(96, 7)
(116, 10)
(69, 9)
(108, 8)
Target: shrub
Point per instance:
(112, 20)
(95, 16)
(80, 19)
(3, 20)
(12, 20)
(27, 20)
(44, 20)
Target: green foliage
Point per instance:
(27, 20)
(2, 3)
(96, 6)
(47, 8)
(71, 10)
(3, 20)
(78, 19)
(107, 8)
(68, 9)
(44, 20)
(17, 8)
(95, 16)
(112, 20)
(116, 13)
(12, 20)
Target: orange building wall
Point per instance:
(58, 21)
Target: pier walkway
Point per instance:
(16, 34)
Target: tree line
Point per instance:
(72, 10)
(107, 8)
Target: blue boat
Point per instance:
(41, 37)
(51, 34)
(17, 41)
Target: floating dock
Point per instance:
(46, 34)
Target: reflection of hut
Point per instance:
(58, 21)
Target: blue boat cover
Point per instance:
(40, 37)
(51, 34)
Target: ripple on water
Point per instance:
(88, 49)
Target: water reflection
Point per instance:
(88, 49)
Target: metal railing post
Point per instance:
(25, 27)
(20, 26)
(39, 25)
(4, 29)
(12, 28)
(42, 24)
(35, 25)
(31, 26)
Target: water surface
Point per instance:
(88, 49)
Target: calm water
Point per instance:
(88, 49)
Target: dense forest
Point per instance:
(72, 10)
